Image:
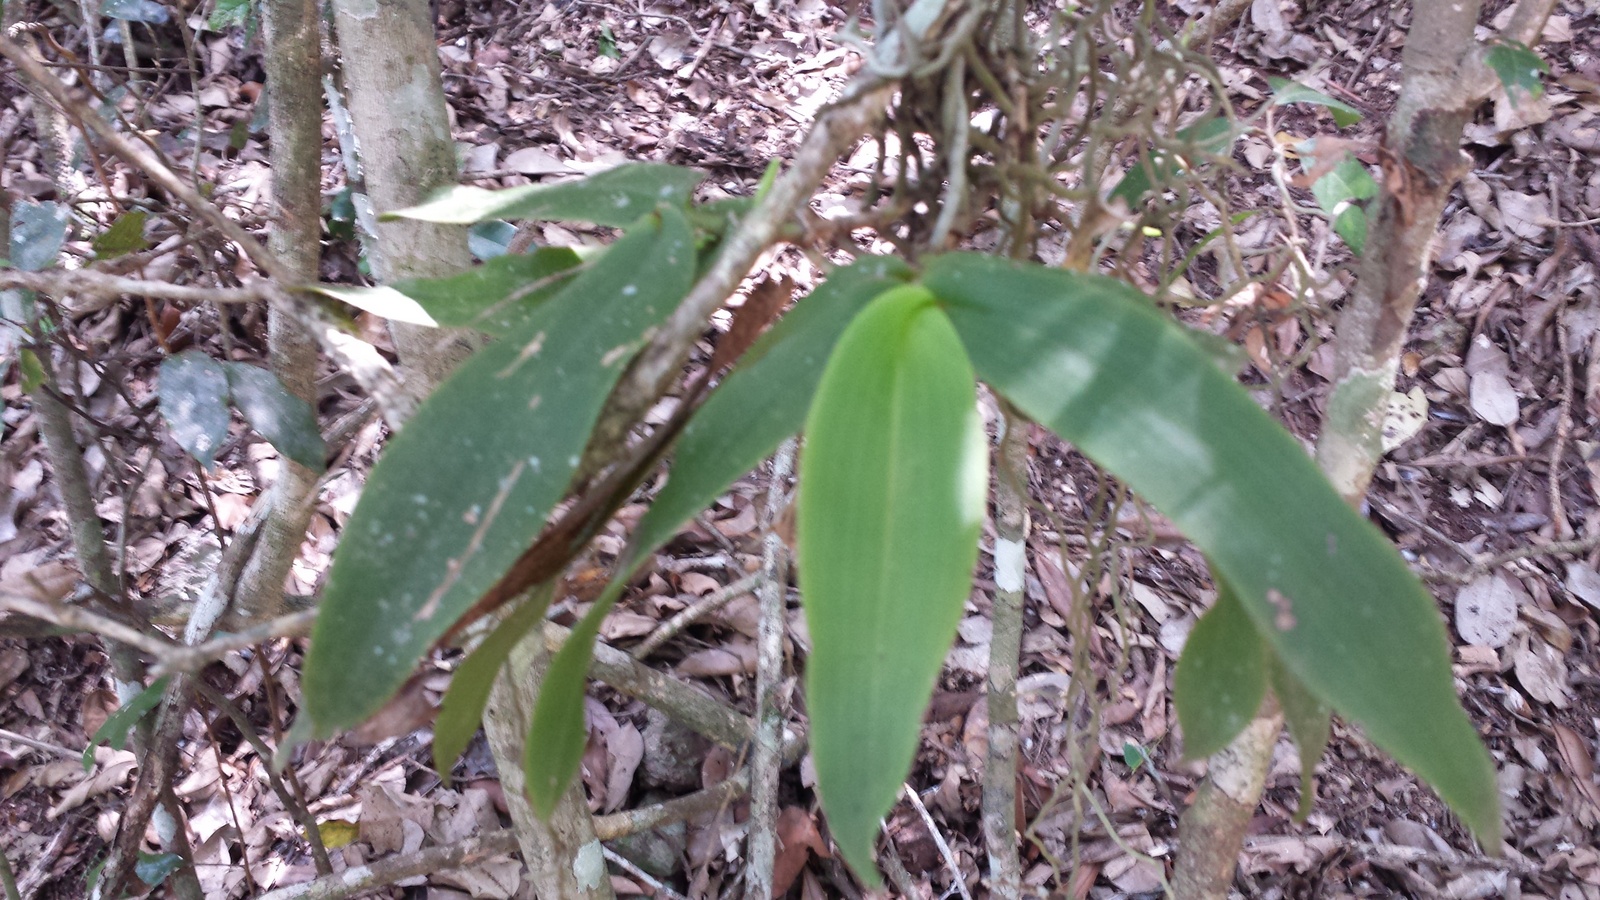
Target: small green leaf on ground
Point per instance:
(194, 402)
(1286, 91)
(126, 235)
(1519, 69)
(114, 730)
(1340, 193)
(38, 230)
(891, 498)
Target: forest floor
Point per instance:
(1492, 498)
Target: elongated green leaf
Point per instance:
(891, 498)
(1083, 355)
(494, 297)
(554, 749)
(286, 421)
(462, 707)
(1309, 721)
(467, 485)
(762, 401)
(194, 401)
(615, 197)
(114, 730)
(1221, 677)
(1207, 137)
(1286, 91)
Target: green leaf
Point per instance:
(1221, 677)
(148, 11)
(153, 868)
(496, 296)
(194, 401)
(126, 235)
(286, 421)
(1134, 755)
(38, 230)
(462, 707)
(32, 370)
(1517, 67)
(487, 240)
(1086, 357)
(114, 730)
(1285, 91)
(467, 485)
(616, 197)
(1339, 193)
(1207, 137)
(228, 13)
(1309, 721)
(556, 736)
(892, 487)
(763, 400)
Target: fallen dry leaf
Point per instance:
(1486, 610)
(1542, 672)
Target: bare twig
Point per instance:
(693, 613)
(956, 875)
(761, 845)
(1005, 647)
(42, 746)
(179, 658)
(391, 869)
(91, 290)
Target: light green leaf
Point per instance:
(153, 868)
(615, 197)
(1340, 192)
(194, 401)
(126, 235)
(491, 239)
(462, 707)
(1221, 677)
(467, 485)
(1285, 91)
(1518, 68)
(891, 498)
(114, 730)
(286, 421)
(763, 400)
(1309, 721)
(1085, 356)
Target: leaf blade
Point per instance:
(616, 197)
(193, 395)
(470, 480)
(1086, 357)
(1221, 677)
(892, 487)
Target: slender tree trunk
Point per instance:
(402, 125)
(293, 61)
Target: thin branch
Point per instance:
(956, 875)
(92, 290)
(178, 658)
(693, 613)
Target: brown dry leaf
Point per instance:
(625, 746)
(1542, 672)
(27, 575)
(735, 658)
(535, 161)
(1575, 761)
(1493, 399)
(492, 879)
(13, 662)
(766, 300)
(1525, 215)
(797, 836)
(1404, 418)
(108, 778)
(409, 710)
(391, 820)
(1486, 610)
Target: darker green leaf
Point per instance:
(1221, 677)
(1085, 356)
(1519, 69)
(496, 296)
(126, 235)
(194, 402)
(616, 197)
(462, 707)
(1309, 724)
(763, 400)
(467, 485)
(1286, 91)
(286, 421)
(114, 730)
(154, 868)
(1340, 193)
(554, 749)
